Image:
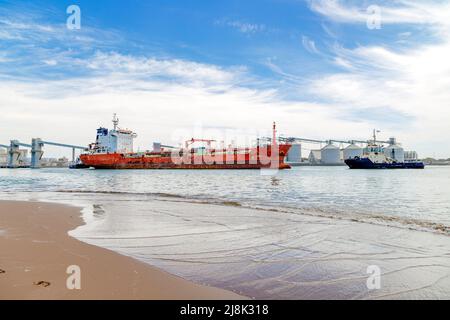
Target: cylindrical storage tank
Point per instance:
(330, 154)
(352, 151)
(409, 155)
(295, 153)
(395, 151)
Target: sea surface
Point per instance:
(309, 232)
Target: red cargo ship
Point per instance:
(113, 149)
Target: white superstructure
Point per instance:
(114, 141)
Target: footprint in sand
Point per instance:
(42, 283)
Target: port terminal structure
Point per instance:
(37, 151)
(329, 155)
(295, 139)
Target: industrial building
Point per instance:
(395, 151)
(330, 155)
(3, 157)
(295, 153)
(352, 151)
(54, 163)
(314, 157)
(22, 158)
(411, 156)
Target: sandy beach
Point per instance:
(36, 250)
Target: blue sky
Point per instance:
(171, 68)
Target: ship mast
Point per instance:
(115, 121)
(375, 135)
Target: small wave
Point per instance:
(376, 219)
(371, 218)
(193, 198)
(155, 194)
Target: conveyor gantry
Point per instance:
(36, 146)
(36, 150)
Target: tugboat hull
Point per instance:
(366, 163)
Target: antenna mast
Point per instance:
(115, 121)
(375, 135)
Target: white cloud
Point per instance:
(157, 108)
(410, 83)
(392, 12)
(414, 83)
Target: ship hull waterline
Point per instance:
(367, 164)
(158, 162)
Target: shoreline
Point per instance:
(36, 250)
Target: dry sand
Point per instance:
(35, 250)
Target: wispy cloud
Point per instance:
(241, 26)
(309, 45)
(32, 44)
(151, 67)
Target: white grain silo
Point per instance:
(352, 151)
(295, 153)
(409, 156)
(330, 154)
(395, 151)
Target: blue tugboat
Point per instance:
(78, 165)
(375, 156)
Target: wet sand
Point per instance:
(36, 250)
(269, 254)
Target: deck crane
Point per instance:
(193, 140)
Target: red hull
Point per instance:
(255, 158)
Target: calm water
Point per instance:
(417, 194)
(314, 231)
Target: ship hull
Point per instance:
(252, 159)
(367, 164)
